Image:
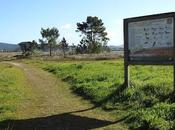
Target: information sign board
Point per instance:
(150, 38)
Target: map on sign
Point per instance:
(151, 38)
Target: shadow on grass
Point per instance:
(114, 94)
(65, 121)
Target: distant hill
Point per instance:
(116, 48)
(8, 47)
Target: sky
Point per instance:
(22, 20)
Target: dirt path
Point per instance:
(54, 107)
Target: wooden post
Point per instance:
(174, 53)
(126, 75)
(126, 54)
(174, 79)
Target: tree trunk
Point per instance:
(63, 53)
(50, 50)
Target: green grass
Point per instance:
(148, 102)
(12, 91)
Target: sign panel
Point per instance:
(150, 38)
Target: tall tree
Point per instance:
(63, 45)
(93, 34)
(50, 37)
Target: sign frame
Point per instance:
(127, 60)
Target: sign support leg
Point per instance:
(126, 75)
(174, 78)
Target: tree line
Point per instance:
(92, 31)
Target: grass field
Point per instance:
(147, 103)
(12, 90)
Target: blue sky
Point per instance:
(21, 20)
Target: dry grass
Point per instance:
(7, 56)
(102, 56)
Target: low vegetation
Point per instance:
(147, 103)
(12, 91)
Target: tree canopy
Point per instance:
(94, 35)
(63, 45)
(28, 47)
(50, 37)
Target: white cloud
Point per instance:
(66, 26)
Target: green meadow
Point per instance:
(146, 104)
(12, 91)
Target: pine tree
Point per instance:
(93, 34)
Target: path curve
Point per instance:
(54, 107)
